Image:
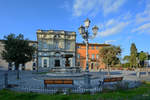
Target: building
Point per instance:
(56, 49)
(10, 66)
(94, 60)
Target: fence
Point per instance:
(57, 90)
(20, 86)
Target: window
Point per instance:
(96, 47)
(68, 45)
(97, 56)
(56, 46)
(78, 56)
(78, 64)
(97, 64)
(93, 56)
(34, 64)
(34, 68)
(78, 46)
(92, 46)
(45, 62)
(44, 45)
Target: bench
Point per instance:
(110, 79)
(113, 79)
(57, 81)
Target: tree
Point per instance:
(17, 50)
(133, 56)
(126, 58)
(142, 57)
(110, 56)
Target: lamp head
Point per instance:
(81, 29)
(95, 30)
(87, 23)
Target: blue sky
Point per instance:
(120, 22)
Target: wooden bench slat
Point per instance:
(113, 79)
(58, 81)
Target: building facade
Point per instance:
(56, 49)
(95, 63)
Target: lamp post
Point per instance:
(83, 30)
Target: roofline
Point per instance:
(28, 40)
(98, 44)
(55, 31)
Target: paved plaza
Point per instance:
(34, 80)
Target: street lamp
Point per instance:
(83, 30)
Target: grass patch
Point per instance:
(140, 93)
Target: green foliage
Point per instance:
(110, 55)
(126, 65)
(17, 49)
(142, 57)
(126, 58)
(133, 56)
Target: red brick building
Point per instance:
(94, 60)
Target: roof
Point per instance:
(55, 31)
(96, 44)
(28, 40)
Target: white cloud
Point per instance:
(112, 27)
(143, 16)
(84, 7)
(142, 20)
(110, 22)
(111, 5)
(109, 41)
(142, 28)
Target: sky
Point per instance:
(120, 22)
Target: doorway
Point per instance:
(57, 63)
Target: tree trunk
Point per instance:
(147, 71)
(17, 67)
(108, 70)
(17, 73)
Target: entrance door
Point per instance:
(57, 63)
(92, 66)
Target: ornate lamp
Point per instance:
(87, 23)
(95, 30)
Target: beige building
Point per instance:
(28, 66)
(56, 49)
